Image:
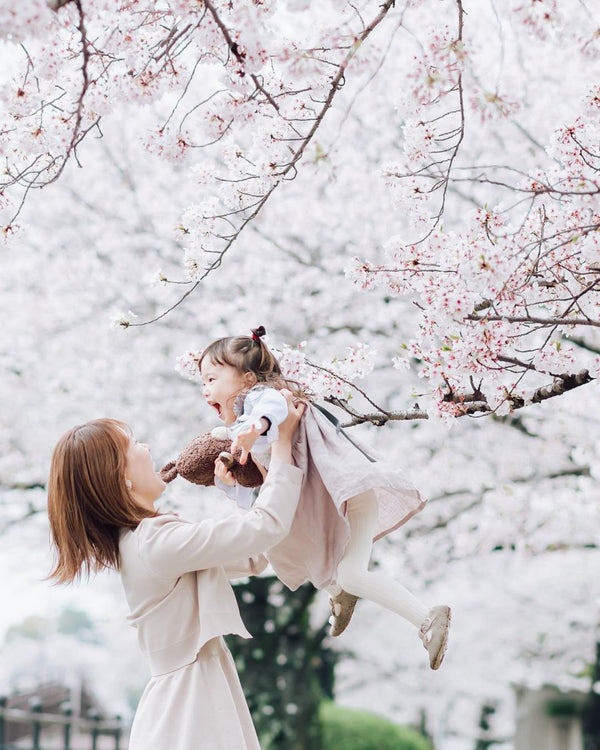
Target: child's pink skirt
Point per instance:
(334, 471)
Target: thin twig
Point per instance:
(336, 85)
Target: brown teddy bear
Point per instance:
(196, 463)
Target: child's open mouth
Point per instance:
(217, 408)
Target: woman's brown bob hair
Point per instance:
(88, 502)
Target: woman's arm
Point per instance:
(253, 566)
(282, 448)
(171, 547)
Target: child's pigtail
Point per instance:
(268, 369)
(262, 362)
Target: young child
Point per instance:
(348, 499)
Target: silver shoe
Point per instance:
(434, 634)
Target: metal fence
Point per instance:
(34, 729)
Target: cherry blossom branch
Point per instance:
(467, 404)
(237, 53)
(128, 324)
(562, 321)
(537, 188)
(460, 131)
(346, 382)
(377, 418)
(77, 135)
(287, 171)
(85, 54)
(441, 165)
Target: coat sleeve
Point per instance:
(253, 566)
(171, 547)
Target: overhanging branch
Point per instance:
(462, 405)
(289, 170)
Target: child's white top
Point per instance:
(250, 407)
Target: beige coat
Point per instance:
(175, 575)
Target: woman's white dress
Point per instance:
(194, 707)
(176, 579)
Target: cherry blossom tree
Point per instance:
(404, 194)
(496, 246)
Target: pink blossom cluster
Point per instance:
(67, 71)
(436, 70)
(330, 377)
(493, 105)
(187, 365)
(237, 87)
(502, 291)
(20, 21)
(236, 93)
(541, 17)
(496, 298)
(266, 104)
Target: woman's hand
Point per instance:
(296, 409)
(282, 447)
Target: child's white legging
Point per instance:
(353, 574)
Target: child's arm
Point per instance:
(267, 410)
(245, 440)
(224, 480)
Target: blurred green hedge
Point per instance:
(347, 729)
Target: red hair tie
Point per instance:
(257, 333)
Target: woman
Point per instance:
(101, 496)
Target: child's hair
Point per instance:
(251, 354)
(88, 501)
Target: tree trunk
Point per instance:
(285, 669)
(591, 710)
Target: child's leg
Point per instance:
(353, 574)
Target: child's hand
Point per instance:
(245, 440)
(223, 474)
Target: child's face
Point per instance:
(222, 383)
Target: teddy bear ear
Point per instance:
(227, 459)
(219, 432)
(169, 472)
